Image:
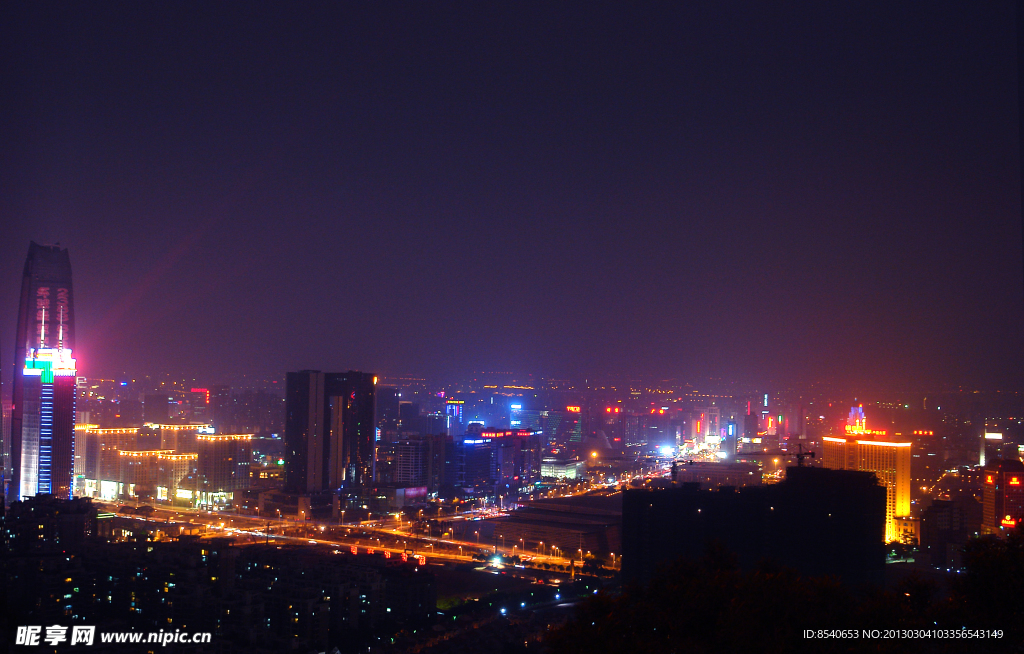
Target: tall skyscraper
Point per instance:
(864, 449)
(330, 433)
(43, 415)
(6, 448)
(1002, 496)
(388, 409)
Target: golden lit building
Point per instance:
(98, 460)
(140, 472)
(863, 449)
(223, 466)
(180, 438)
(174, 472)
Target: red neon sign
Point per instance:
(1015, 481)
(1008, 522)
(572, 409)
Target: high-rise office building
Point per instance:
(420, 462)
(330, 433)
(43, 415)
(727, 449)
(454, 417)
(224, 461)
(6, 431)
(97, 457)
(991, 447)
(1002, 496)
(388, 408)
(140, 472)
(867, 450)
(751, 439)
(220, 407)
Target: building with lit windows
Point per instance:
(994, 447)
(179, 437)
(411, 461)
(43, 415)
(140, 471)
(224, 461)
(1002, 496)
(867, 450)
(561, 469)
(176, 470)
(47, 416)
(5, 454)
(98, 461)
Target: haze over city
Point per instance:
(526, 328)
(761, 195)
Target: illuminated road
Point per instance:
(362, 535)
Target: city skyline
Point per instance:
(528, 327)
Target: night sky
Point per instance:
(675, 189)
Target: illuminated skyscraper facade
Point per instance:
(224, 462)
(863, 449)
(1002, 496)
(43, 415)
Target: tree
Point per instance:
(593, 565)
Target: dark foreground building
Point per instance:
(818, 521)
(43, 415)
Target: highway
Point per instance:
(369, 534)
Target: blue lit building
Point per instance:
(43, 413)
